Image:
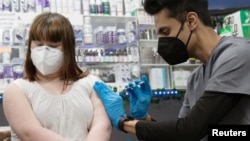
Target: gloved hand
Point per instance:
(140, 97)
(112, 102)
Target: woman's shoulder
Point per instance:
(90, 79)
(86, 83)
(20, 83)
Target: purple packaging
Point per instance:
(8, 75)
(17, 72)
(46, 5)
(6, 5)
(100, 37)
(1, 78)
(1, 73)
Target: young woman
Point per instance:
(55, 100)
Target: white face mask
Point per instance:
(46, 59)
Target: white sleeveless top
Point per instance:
(68, 115)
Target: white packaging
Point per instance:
(158, 78)
(6, 38)
(113, 8)
(127, 5)
(59, 6)
(77, 7)
(88, 38)
(15, 4)
(1, 5)
(7, 5)
(31, 6)
(19, 35)
(24, 6)
(119, 4)
(135, 54)
(70, 6)
(39, 6)
(85, 6)
(6, 57)
(53, 6)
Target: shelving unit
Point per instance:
(128, 51)
(151, 60)
(146, 48)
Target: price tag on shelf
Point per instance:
(7, 19)
(11, 20)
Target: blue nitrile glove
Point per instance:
(140, 97)
(112, 102)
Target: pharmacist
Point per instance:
(218, 91)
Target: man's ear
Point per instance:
(192, 20)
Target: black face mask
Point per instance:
(172, 49)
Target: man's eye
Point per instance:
(163, 31)
(53, 46)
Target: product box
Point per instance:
(237, 24)
(158, 78)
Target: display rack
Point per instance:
(139, 55)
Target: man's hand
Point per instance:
(140, 97)
(5, 135)
(112, 102)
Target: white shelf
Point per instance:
(111, 19)
(147, 24)
(155, 65)
(148, 43)
(12, 45)
(181, 87)
(186, 65)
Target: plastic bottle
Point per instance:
(93, 8)
(88, 37)
(106, 7)
(99, 8)
(130, 57)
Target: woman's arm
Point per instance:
(100, 129)
(21, 118)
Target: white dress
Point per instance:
(68, 115)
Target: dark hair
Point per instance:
(178, 8)
(54, 27)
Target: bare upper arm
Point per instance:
(99, 110)
(18, 110)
